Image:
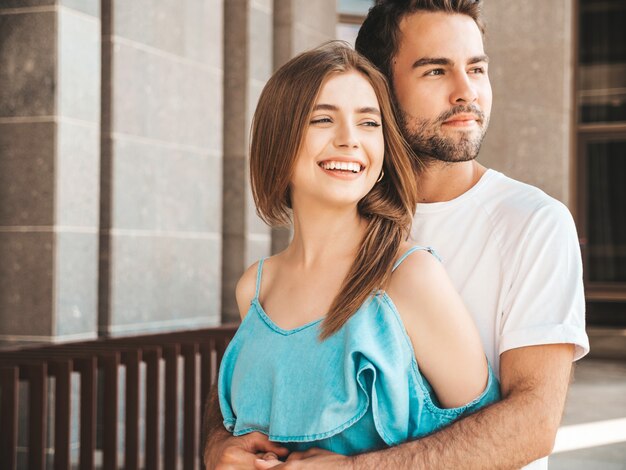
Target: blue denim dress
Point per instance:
(359, 390)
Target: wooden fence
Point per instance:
(178, 362)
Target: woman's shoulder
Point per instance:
(415, 267)
(422, 291)
(246, 289)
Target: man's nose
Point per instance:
(464, 91)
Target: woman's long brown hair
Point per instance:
(278, 128)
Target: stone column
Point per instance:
(49, 169)
(299, 25)
(160, 251)
(530, 45)
(247, 66)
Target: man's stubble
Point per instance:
(428, 141)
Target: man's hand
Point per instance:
(240, 453)
(222, 451)
(312, 459)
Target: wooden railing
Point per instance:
(99, 365)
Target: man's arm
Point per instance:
(222, 451)
(509, 434)
(215, 434)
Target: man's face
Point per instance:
(441, 85)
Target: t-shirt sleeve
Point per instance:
(545, 303)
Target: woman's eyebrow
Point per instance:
(325, 107)
(332, 107)
(368, 110)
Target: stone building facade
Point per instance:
(124, 201)
(124, 197)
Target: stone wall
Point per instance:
(160, 220)
(530, 45)
(125, 205)
(49, 169)
(124, 197)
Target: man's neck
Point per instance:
(442, 181)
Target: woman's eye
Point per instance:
(321, 120)
(371, 124)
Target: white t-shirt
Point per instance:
(512, 253)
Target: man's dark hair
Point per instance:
(379, 35)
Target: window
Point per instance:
(601, 131)
(351, 15)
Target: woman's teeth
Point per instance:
(346, 166)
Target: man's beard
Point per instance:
(428, 142)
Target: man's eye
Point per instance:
(479, 70)
(434, 72)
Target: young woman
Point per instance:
(351, 338)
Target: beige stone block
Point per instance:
(254, 92)
(78, 66)
(77, 181)
(306, 38)
(233, 260)
(300, 25)
(142, 22)
(530, 147)
(213, 121)
(215, 34)
(254, 224)
(533, 22)
(522, 79)
(320, 15)
(283, 12)
(76, 284)
(236, 78)
(165, 189)
(163, 283)
(26, 285)
(263, 5)
(158, 97)
(28, 78)
(257, 247)
(27, 170)
(234, 205)
(260, 44)
(531, 56)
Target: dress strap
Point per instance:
(412, 250)
(259, 273)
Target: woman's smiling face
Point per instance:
(342, 153)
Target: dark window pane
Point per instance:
(606, 313)
(604, 111)
(606, 216)
(602, 32)
(602, 57)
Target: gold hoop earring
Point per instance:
(382, 173)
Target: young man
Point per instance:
(511, 250)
